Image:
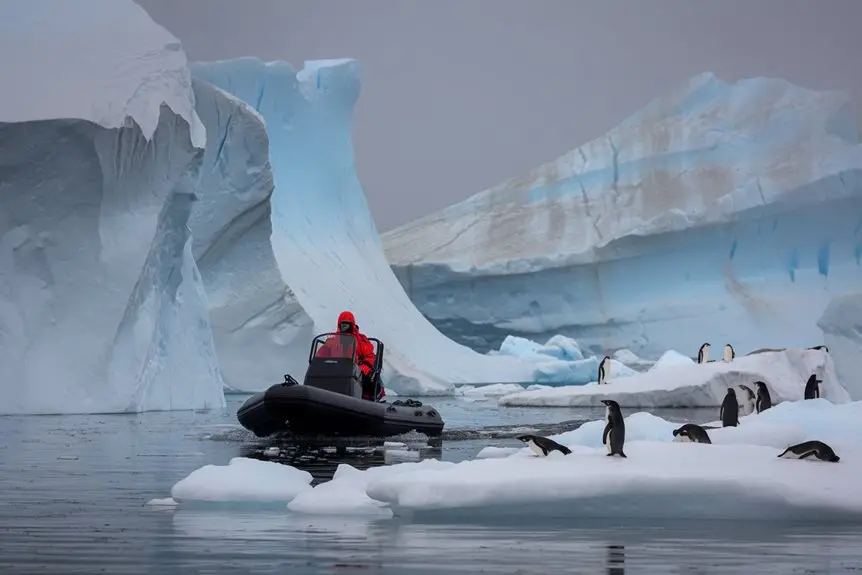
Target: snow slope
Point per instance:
(324, 239)
(699, 385)
(738, 477)
(727, 213)
(102, 308)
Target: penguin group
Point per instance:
(614, 434)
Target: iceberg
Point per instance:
(728, 213)
(560, 361)
(102, 307)
(257, 325)
(324, 240)
(841, 323)
(738, 477)
(699, 385)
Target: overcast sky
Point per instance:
(459, 95)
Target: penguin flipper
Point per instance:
(605, 434)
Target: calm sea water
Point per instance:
(74, 490)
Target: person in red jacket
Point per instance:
(364, 353)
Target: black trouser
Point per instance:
(370, 389)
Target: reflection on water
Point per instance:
(393, 546)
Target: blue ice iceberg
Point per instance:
(727, 213)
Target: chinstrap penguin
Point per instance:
(806, 449)
(691, 432)
(729, 413)
(542, 446)
(614, 435)
(703, 353)
(764, 400)
(604, 370)
(729, 353)
(812, 387)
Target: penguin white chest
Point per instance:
(535, 448)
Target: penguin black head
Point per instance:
(759, 384)
(731, 391)
(813, 379)
(611, 403)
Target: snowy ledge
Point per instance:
(698, 385)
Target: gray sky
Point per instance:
(459, 95)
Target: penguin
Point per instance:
(764, 400)
(691, 432)
(604, 370)
(820, 347)
(542, 446)
(729, 354)
(812, 387)
(703, 353)
(749, 401)
(614, 435)
(729, 413)
(808, 448)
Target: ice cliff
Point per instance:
(842, 330)
(102, 308)
(324, 240)
(727, 213)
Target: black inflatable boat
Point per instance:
(329, 402)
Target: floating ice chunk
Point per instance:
(345, 493)
(391, 456)
(163, 502)
(658, 480)
(243, 480)
(492, 390)
(697, 385)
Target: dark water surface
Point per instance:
(74, 490)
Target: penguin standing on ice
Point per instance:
(729, 354)
(542, 446)
(604, 370)
(703, 353)
(614, 435)
(763, 400)
(806, 449)
(729, 413)
(812, 387)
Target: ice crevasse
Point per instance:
(324, 239)
(725, 213)
(102, 307)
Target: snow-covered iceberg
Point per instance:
(102, 308)
(841, 323)
(728, 213)
(323, 237)
(699, 385)
(738, 477)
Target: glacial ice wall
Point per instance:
(325, 242)
(841, 323)
(728, 213)
(258, 326)
(102, 308)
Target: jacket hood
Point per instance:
(346, 316)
